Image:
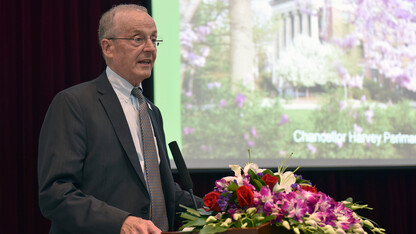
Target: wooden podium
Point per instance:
(263, 229)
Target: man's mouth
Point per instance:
(145, 61)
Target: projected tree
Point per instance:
(308, 63)
(242, 49)
(387, 30)
(202, 27)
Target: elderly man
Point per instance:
(103, 164)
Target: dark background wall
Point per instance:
(49, 45)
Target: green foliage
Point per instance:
(247, 117)
(387, 118)
(221, 128)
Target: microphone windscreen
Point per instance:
(181, 166)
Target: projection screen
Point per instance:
(331, 83)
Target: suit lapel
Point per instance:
(115, 113)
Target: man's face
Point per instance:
(134, 63)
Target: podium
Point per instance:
(263, 229)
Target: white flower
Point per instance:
(311, 222)
(286, 181)
(254, 167)
(210, 219)
(286, 225)
(237, 173)
(329, 229)
(226, 223)
(339, 231)
(251, 210)
(368, 223)
(236, 169)
(229, 178)
(236, 216)
(296, 230)
(357, 228)
(379, 230)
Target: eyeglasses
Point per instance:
(138, 40)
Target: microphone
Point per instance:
(182, 169)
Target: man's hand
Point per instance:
(135, 225)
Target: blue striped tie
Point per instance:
(158, 207)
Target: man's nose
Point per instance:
(149, 45)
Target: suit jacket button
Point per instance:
(145, 211)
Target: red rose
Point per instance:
(245, 196)
(309, 188)
(210, 201)
(270, 180)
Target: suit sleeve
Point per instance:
(62, 151)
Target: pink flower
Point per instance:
(311, 148)
(223, 103)
(240, 99)
(188, 130)
(284, 119)
(213, 85)
(342, 105)
(363, 98)
(369, 114)
(253, 132)
(339, 144)
(358, 129)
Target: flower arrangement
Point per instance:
(255, 196)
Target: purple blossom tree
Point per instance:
(387, 31)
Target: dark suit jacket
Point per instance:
(89, 174)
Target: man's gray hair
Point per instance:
(106, 27)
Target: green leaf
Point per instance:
(267, 171)
(257, 184)
(268, 218)
(191, 211)
(280, 190)
(207, 229)
(195, 223)
(188, 216)
(204, 212)
(248, 221)
(252, 174)
(349, 199)
(200, 212)
(232, 186)
(259, 219)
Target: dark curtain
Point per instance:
(49, 45)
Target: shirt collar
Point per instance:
(120, 85)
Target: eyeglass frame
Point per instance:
(155, 42)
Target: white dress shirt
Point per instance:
(130, 106)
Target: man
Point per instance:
(92, 169)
